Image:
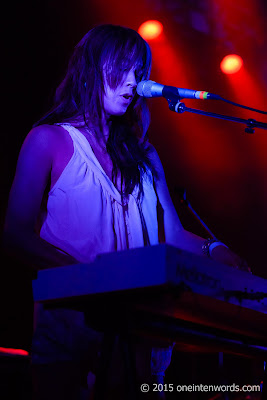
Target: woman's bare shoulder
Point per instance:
(45, 133)
(47, 138)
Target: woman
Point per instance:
(88, 182)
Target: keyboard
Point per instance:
(155, 266)
(168, 292)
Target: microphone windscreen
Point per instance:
(139, 88)
(144, 88)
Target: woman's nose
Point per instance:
(131, 80)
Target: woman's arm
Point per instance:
(32, 176)
(174, 232)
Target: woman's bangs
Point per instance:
(132, 55)
(142, 61)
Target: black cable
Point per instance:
(240, 105)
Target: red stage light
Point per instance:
(231, 64)
(150, 29)
(13, 352)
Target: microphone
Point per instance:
(154, 89)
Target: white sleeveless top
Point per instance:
(85, 215)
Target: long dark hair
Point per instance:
(114, 49)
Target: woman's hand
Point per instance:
(226, 256)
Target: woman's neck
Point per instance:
(100, 134)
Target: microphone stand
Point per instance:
(184, 200)
(178, 107)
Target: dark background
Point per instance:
(222, 168)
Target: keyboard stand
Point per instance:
(102, 375)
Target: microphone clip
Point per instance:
(171, 94)
(176, 106)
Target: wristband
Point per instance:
(215, 244)
(209, 245)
